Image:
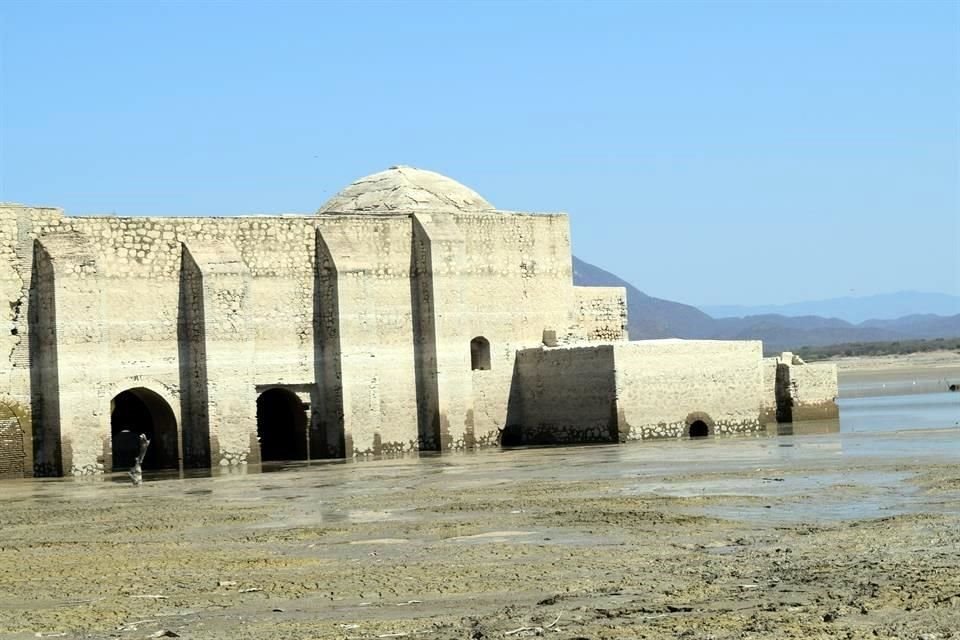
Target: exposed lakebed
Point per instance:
(843, 532)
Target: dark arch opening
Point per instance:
(699, 429)
(480, 354)
(281, 426)
(137, 411)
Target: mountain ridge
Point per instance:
(649, 317)
(853, 309)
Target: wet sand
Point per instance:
(869, 376)
(809, 536)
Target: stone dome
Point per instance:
(405, 189)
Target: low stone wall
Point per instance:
(795, 391)
(636, 390)
(564, 395)
(768, 406)
(814, 391)
(665, 386)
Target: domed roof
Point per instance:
(400, 189)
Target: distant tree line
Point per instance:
(894, 347)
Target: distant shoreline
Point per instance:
(926, 372)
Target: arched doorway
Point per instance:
(137, 411)
(699, 429)
(281, 426)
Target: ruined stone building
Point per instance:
(406, 314)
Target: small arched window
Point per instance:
(480, 354)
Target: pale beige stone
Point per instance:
(409, 316)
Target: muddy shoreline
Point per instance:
(872, 376)
(829, 536)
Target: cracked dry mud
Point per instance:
(735, 538)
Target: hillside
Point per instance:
(853, 309)
(650, 317)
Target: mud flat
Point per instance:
(825, 536)
(931, 372)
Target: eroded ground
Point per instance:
(823, 536)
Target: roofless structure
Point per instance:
(407, 314)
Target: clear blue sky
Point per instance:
(708, 152)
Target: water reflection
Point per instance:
(898, 413)
(926, 427)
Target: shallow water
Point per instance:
(898, 413)
(819, 470)
(819, 476)
(908, 381)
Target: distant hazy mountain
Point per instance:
(651, 317)
(648, 317)
(781, 333)
(885, 306)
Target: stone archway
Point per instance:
(281, 426)
(699, 425)
(699, 429)
(140, 410)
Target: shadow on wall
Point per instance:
(48, 454)
(328, 438)
(512, 433)
(192, 342)
(781, 392)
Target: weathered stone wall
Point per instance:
(113, 299)
(69, 347)
(255, 279)
(367, 319)
(15, 444)
(16, 436)
(18, 230)
(226, 355)
(369, 265)
(601, 314)
(813, 390)
(517, 281)
(441, 329)
(12, 293)
(205, 311)
(768, 406)
(795, 391)
(663, 386)
(553, 406)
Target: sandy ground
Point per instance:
(826, 536)
(896, 375)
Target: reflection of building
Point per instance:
(406, 314)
